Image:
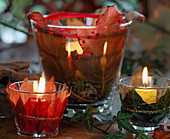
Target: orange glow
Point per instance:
(145, 77)
(105, 48)
(41, 86)
(74, 46)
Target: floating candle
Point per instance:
(148, 94)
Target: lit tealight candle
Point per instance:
(148, 94)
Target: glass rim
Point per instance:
(84, 27)
(120, 82)
(10, 87)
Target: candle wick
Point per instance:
(145, 85)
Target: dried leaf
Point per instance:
(26, 86)
(13, 95)
(50, 86)
(135, 15)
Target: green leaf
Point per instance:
(142, 135)
(88, 108)
(127, 126)
(114, 118)
(94, 111)
(119, 134)
(157, 117)
(108, 136)
(124, 116)
(77, 116)
(18, 7)
(119, 125)
(88, 122)
(79, 111)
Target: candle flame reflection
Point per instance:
(105, 48)
(69, 49)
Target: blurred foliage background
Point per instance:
(148, 45)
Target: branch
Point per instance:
(5, 24)
(105, 132)
(160, 28)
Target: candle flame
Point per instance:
(105, 48)
(145, 77)
(41, 86)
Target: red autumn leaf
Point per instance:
(40, 111)
(36, 16)
(26, 86)
(159, 133)
(29, 106)
(20, 115)
(92, 42)
(12, 95)
(135, 15)
(57, 67)
(50, 86)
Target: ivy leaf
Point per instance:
(119, 134)
(88, 122)
(142, 135)
(114, 118)
(90, 110)
(108, 136)
(124, 116)
(127, 126)
(119, 125)
(78, 116)
(158, 117)
(86, 117)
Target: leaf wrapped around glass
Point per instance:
(83, 50)
(149, 105)
(38, 114)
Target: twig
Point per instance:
(100, 129)
(109, 127)
(5, 24)
(160, 28)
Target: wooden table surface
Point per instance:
(70, 130)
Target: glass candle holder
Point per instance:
(149, 105)
(86, 57)
(38, 114)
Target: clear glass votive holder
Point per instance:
(38, 114)
(149, 105)
(86, 68)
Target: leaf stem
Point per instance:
(109, 126)
(105, 132)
